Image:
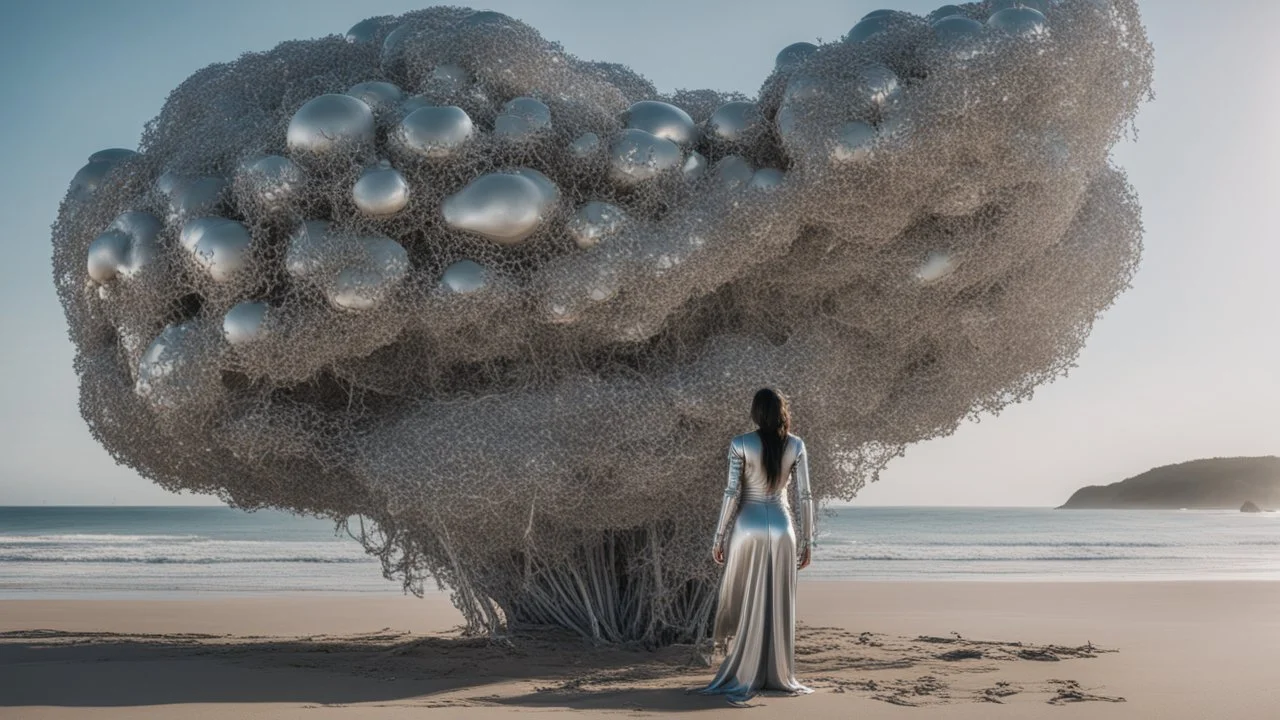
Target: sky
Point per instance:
(1185, 365)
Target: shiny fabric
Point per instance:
(756, 604)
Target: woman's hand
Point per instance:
(806, 556)
(717, 554)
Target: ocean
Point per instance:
(176, 551)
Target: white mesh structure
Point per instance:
(527, 384)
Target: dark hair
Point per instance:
(770, 411)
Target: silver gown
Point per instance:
(757, 596)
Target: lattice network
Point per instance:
(508, 306)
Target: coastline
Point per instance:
(1182, 649)
(393, 591)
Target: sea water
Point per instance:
(71, 551)
(103, 551)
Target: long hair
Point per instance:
(771, 412)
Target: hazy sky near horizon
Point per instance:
(1186, 364)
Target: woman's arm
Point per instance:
(730, 504)
(804, 495)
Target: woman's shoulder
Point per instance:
(791, 437)
(751, 439)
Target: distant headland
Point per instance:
(1213, 483)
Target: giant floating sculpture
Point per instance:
(508, 306)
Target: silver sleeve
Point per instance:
(731, 492)
(804, 495)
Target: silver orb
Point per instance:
(363, 31)
(695, 166)
(194, 229)
(391, 56)
(935, 267)
(732, 120)
(380, 191)
(787, 121)
(804, 86)
(303, 255)
(879, 83)
(595, 221)
(956, 28)
(464, 277)
(586, 144)
(454, 76)
(89, 178)
(550, 193)
(794, 54)
(167, 354)
(108, 254)
(538, 114)
(638, 155)
(112, 155)
(192, 197)
(331, 124)
(522, 117)
(872, 23)
(168, 182)
(276, 181)
(734, 171)
(855, 143)
(219, 246)
(1041, 6)
(1020, 21)
(504, 207)
(663, 120)
(435, 131)
(766, 179)
(802, 90)
(127, 246)
(385, 264)
(376, 94)
(243, 323)
(945, 11)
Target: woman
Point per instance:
(758, 591)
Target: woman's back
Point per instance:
(754, 475)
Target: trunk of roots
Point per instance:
(616, 590)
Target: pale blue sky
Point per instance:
(1185, 365)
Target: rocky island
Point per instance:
(1212, 483)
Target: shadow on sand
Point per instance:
(534, 670)
(54, 668)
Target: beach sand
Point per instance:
(869, 649)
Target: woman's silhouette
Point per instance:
(756, 542)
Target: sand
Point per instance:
(869, 649)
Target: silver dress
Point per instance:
(757, 596)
